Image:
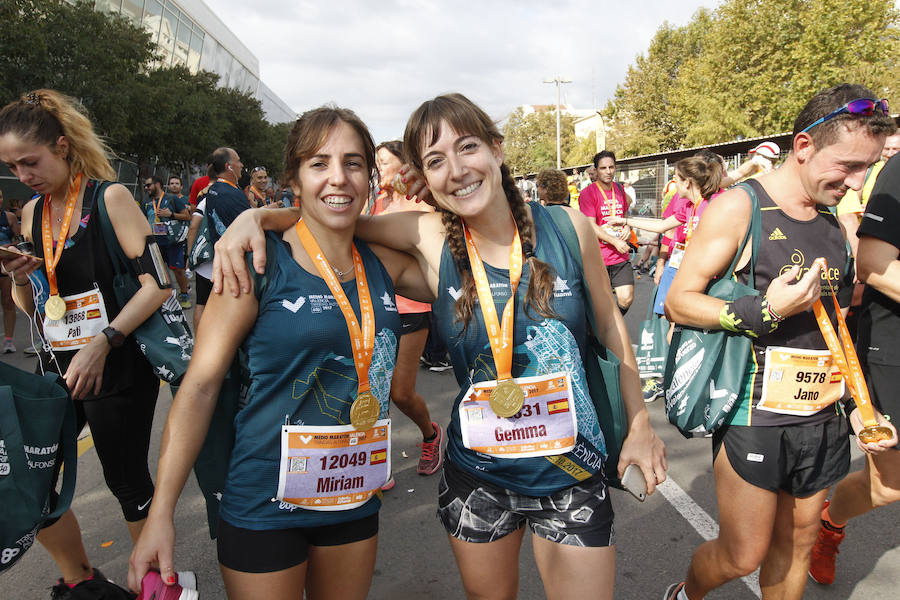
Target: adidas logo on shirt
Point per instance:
(777, 235)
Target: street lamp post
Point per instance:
(558, 81)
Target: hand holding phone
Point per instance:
(634, 483)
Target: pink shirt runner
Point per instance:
(683, 213)
(599, 205)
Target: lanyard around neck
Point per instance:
(52, 255)
(499, 335)
(362, 338)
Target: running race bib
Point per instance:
(333, 468)
(675, 255)
(546, 424)
(160, 228)
(799, 382)
(85, 319)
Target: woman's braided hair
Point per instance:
(461, 114)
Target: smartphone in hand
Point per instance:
(634, 483)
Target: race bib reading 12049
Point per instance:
(545, 426)
(333, 468)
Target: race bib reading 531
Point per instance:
(546, 424)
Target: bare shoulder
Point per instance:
(117, 196)
(730, 210)
(27, 217)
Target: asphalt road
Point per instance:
(654, 540)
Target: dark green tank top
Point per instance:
(541, 346)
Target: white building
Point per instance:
(189, 33)
(591, 123)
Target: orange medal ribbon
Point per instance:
(220, 180)
(847, 361)
(362, 338)
(500, 336)
(156, 203)
(51, 256)
(689, 230)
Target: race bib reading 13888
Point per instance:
(85, 318)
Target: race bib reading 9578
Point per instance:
(799, 382)
(333, 468)
(546, 424)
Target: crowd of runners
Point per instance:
(313, 312)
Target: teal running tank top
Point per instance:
(302, 373)
(541, 346)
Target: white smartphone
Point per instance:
(634, 483)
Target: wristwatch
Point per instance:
(115, 337)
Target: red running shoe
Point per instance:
(432, 454)
(824, 553)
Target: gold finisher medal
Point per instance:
(364, 411)
(55, 308)
(507, 398)
(875, 433)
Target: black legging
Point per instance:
(120, 425)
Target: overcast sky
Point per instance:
(382, 58)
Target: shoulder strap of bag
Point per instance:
(754, 231)
(567, 230)
(120, 263)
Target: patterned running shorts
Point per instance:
(475, 511)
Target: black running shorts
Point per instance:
(621, 274)
(410, 322)
(204, 289)
(268, 551)
(799, 459)
(884, 387)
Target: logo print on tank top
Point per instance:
(388, 302)
(294, 306)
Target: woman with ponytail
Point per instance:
(50, 146)
(510, 304)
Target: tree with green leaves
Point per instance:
(167, 116)
(95, 57)
(529, 142)
(748, 67)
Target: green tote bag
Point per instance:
(601, 367)
(164, 338)
(37, 432)
(653, 347)
(706, 369)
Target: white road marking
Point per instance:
(700, 521)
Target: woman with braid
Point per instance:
(524, 446)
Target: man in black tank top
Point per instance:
(785, 443)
